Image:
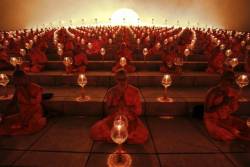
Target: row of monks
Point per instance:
(170, 45)
(24, 115)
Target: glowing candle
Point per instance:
(123, 61)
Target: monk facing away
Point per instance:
(221, 102)
(25, 115)
(122, 99)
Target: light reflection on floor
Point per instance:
(119, 158)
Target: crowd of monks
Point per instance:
(169, 45)
(220, 104)
(124, 44)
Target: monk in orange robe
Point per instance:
(38, 60)
(80, 62)
(168, 59)
(216, 61)
(127, 53)
(4, 59)
(93, 50)
(156, 52)
(247, 59)
(110, 49)
(221, 101)
(28, 117)
(122, 99)
(69, 44)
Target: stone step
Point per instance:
(140, 65)
(139, 79)
(184, 101)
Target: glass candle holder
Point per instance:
(123, 62)
(82, 82)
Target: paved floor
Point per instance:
(173, 142)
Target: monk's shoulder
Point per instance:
(133, 89)
(112, 90)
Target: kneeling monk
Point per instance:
(4, 59)
(80, 62)
(221, 101)
(38, 60)
(28, 117)
(127, 54)
(122, 99)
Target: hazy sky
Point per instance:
(29, 13)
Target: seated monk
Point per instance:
(168, 60)
(80, 62)
(247, 59)
(122, 98)
(93, 49)
(221, 101)
(38, 60)
(156, 52)
(127, 53)
(216, 61)
(4, 59)
(28, 115)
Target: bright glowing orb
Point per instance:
(124, 16)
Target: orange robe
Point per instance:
(128, 67)
(168, 60)
(4, 60)
(155, 54)
(110, 51)
(29, 118)
(220, 124)
(93, 53)
(136, 129)
(38, 61)
(247, 63)
(69, 45)
(216, 63)
(80, 62)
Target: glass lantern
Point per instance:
(102, 52)
(4, 80)
(233, 62)
(242, 81)
(13, 61)
(186, 52)
(228, 52)
(60, 52)
(27, 46)
(166, 82)
(119, 134)
(67, 61)
(123, 62)
(145, 53)
(22, 52)
(82, 82)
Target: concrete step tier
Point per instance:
(199, 66)
(140, 65)
(139, 79)
(183, 101)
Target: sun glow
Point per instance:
(125, 16)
